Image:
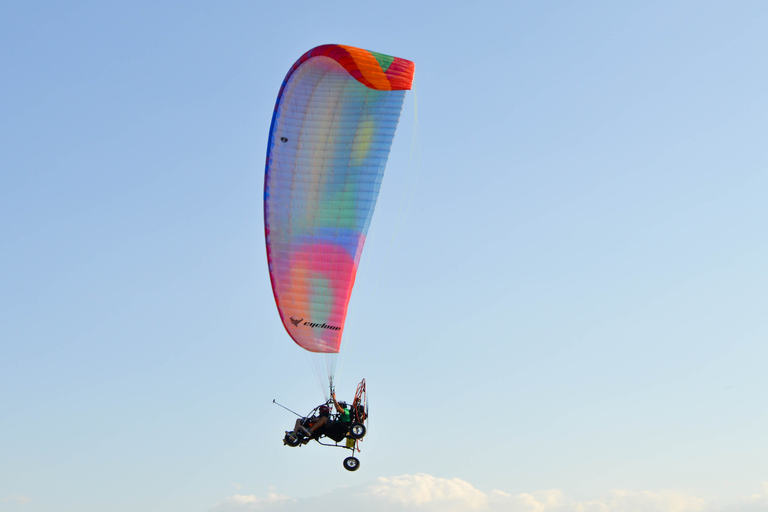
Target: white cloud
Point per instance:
(427, 493)
(239, 502)
(616, 501)
(19, 499)
(757, 502)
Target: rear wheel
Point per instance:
(357, 431)
(291, 440)
(351, 464)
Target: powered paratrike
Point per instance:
(334, 428)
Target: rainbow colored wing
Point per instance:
(331, 132)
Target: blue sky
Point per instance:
(569, 314)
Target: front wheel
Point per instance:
(351, 464)
(357, 431)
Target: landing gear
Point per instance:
(351, 464)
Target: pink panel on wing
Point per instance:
(319, 281)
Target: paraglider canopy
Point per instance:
(332, 129)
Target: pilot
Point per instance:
(324, 420)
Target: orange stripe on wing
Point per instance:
(369, 67)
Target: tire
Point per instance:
(357, 431)
(291, 440)
(351, 464)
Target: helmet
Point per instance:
(324, 410)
